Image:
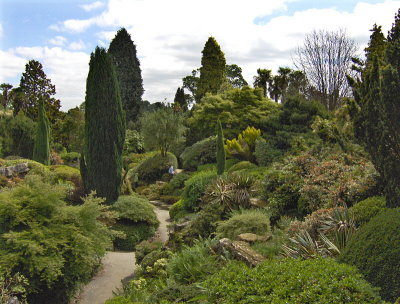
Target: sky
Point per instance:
(170, 34)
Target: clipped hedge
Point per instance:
(375, 250)
(248, 221)
(136, 218)
(200, 153)
(153, 168)
(243, 165)
(365, 210)
(290, 281)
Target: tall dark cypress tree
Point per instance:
(127, 66)
(220, 150)
(104, 128)
(377, 122)
(212, 71)
(41, 150)
(180, 99)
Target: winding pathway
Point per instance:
(117, 267)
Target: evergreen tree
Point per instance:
(212, 71)
(377, 111)
(104, 128)
(129, 75)
(180, 99)
(35, 85)
(41, 150)
(220, 150)
(262, 79)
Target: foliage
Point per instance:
(144, 248)
(195, 187)
(202, 152)
(220, 156)
(136, 218)
(365, 210)
(133, 142)
(176, 184)
(162, 129)
(18, 135)
(262, 79)
(53, 245)
(265, 153)
(375, 250)
(290, 281)
(69, 131)
(234, 75)
(128, 72)
(70, 157)
(12, 286)
(231, 192)
(212, 71)
(236, 109)
(375, 108)
(152, 168)
(193, 263)
(35, 85)
(177, 210)
(243, 147)
(104, 129)
(41, 150)
(243, 165)
(247, 221)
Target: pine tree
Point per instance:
(220, 150)
(212, 71)
(180, 99)
(104, 128)
(376, 115)
(129, 75)
(41, 150)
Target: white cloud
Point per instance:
(77, 45)
(67, 70)
(170, 35)
(58, 40)
(92, 6)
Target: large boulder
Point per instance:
(240, 250)
(14, 170)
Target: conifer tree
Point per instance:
(129, 75)
(104, 128)
(212, 71)
(376, 115)
(41, 150)
(180, 99)
(220, 150)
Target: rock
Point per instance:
(14, 170)
(13, 300)
(251, 237)
(256, 202)
(241, 251)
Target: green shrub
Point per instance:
(65, 173)
(177, 210)
(120, 300)
(266, 153)
(193, 263)
(133, 142)
(136, 218)
(195, 187)
(12, 286)
(243, 165)
(70, 157)
(176, 184)
(153, 168)
(375, 250)
(290, 281)
(200, 153)
(365, 210)
(247, 221)
(144, 248)
(55, 246)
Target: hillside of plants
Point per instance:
(282, 190)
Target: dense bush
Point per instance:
(153, 168)
(193, 263)
(243, 165)
(177, 210)
(176, 184)
(144, 248)
(290, 281)
(195, 187)
(70, 157)
(375, 250)
(365, 210)
(248, 221)
(55, 246)
(133, 142)
(202, 152)
(136, 218)
(265, 153)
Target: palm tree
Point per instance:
(262, 79)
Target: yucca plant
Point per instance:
(232, 191)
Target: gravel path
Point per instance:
(117, 266)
